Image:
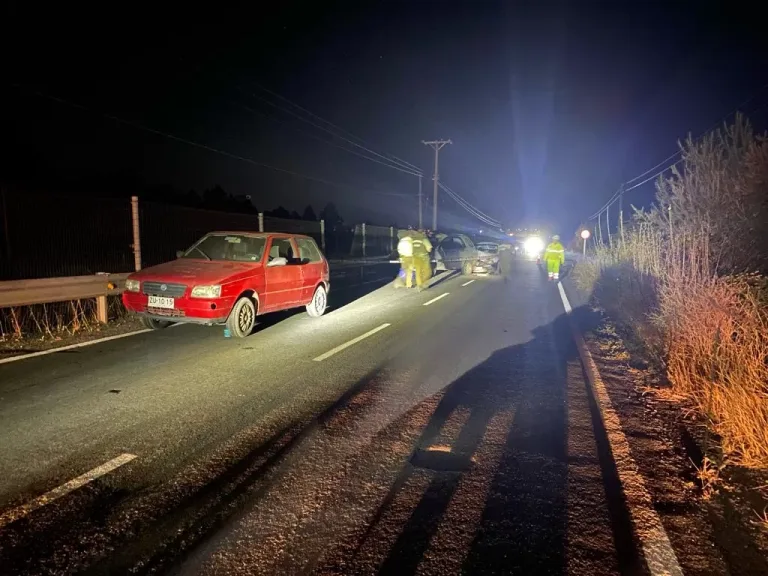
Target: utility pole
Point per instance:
(421, 227)
(437, 145)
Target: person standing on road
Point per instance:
(554, 256)
(405, 252)
(505, 260)
(422, 248)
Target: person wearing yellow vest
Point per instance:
(554, 256)
(405, 252)
(421, 258)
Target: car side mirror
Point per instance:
(280, 261)
(179, 253)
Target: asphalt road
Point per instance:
(434, 433)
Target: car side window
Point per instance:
(308, 251)
(282, 248)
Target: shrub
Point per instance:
(683, 280)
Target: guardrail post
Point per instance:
(363, 239)
(136, 234)
(101, 309)
(261, 221)
(322, 234)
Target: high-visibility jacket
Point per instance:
(405, 247)
(421, 246)
(555, 251)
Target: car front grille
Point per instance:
(168, 289)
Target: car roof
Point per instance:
(258, 234)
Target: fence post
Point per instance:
(136, 235)
(261, 221)
(101, 309)
(322, 233)
(391, 238)
(363, 239)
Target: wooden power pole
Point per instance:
(437, 145)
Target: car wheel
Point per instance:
(466, 268)
(242, 319)
(319, 303)
(153, 324)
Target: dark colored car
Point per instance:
(457, 252)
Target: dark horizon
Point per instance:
(549, 108)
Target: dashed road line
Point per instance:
(19, 512)
(352, 342)
(467, 283)
(72, 346)
(443, 295)
(657, 550)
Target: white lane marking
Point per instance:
(468, 283)
(657, 550)
(352, 342)
(443, 295)
(82, 344)
(72, 346)
(21, 511)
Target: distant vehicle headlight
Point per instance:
(132, 285)
(206, 291)
(534, 245)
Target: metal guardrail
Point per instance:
(15, 293)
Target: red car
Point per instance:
(230, 278)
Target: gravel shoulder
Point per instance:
(714, 526)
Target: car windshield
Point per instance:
(488, 247)
(235, 247)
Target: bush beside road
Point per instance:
(677, 290)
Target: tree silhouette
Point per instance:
(331, 216)
(279, 212)
(309, 214)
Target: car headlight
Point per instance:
(534, 245)
(132, 285)
(206, 291)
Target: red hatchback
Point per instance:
(230, 278)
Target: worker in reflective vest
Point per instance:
(554, 256)
(405, 252)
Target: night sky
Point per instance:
(550, 105)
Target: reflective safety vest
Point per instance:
(421, 247)
(405, 247)
(555, 251)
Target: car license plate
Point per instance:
(160, 302)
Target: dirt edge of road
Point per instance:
(725, 508)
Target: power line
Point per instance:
(339, 128)
(170, 136)
(300, 117)
(623, 188)
(249, 109)
(469, 207)
(707, 131)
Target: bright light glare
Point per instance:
(534, 245)
(585, 234)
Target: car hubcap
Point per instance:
(320, 300)
(245, 318)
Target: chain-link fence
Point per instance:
(373, 240)
(48, 236)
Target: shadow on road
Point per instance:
(520, 523)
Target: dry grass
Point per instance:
(53, 321)
(678, 282)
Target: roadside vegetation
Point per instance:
(687, 281)
(45, 323)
